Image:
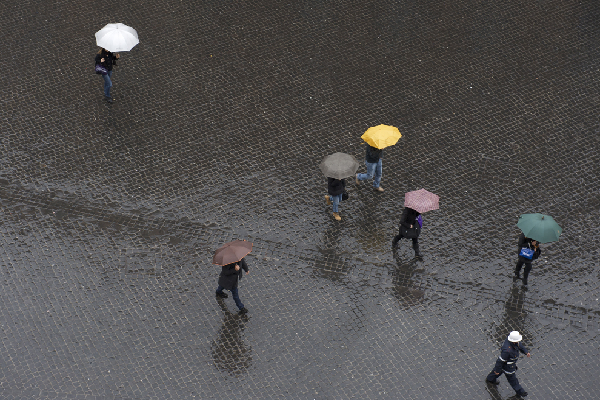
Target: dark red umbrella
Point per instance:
(232, 252)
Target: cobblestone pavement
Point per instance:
(111, 212)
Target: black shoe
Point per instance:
(524, 282)
(418, 254)
(109, 100)
(243, 311)
(523, 394)
(495, 382)
(222, 295)
(517, 275)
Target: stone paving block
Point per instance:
(111, 212)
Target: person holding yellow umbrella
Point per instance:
(377, 138)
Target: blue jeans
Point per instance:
(107, 83)
(373, 170)
(234, 294)
(336, 201)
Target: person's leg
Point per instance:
(336, 202)
(397, 237)
(236, 297)
(377, 172)
(370, 172)
(492, 377)
(514, 382)
(220, 292)
(526, 272)
(107, 83)
(518, 267)
(416, 247)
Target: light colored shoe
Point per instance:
(356, 180)
(328, 199)
(337, 217)
(378, 189)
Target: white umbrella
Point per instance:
(117, 37)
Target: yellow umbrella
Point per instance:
(381, 136)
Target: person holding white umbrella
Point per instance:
(111, 39)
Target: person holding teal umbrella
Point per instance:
(536, 228)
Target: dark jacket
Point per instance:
(109, 59)
(373, 154)
(229, 276)
(409, 217)
(526, 242)
(335, 186)
(509, 354)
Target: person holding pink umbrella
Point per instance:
(411, 222)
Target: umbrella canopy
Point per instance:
(339, 165)
(381, 136)
(421, 201)
(539, 227)
(232, 252)
(117, 37)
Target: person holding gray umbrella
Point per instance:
(336, 167)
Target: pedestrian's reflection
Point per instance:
(230, 353)
(404, 288)
(514, 315)
(331, 265)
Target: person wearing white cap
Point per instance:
(507, 362)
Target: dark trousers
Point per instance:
(511, 378)
(414, 240)
(234, 294)
(528, 267)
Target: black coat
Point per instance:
(336, 186)
(409, 217)
(509, 354)
(229, 276)
(526, 242)
(373, 154)
(109, 60)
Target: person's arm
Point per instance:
(244, 266)
(344, 184)
(521, 240)
(229, 269)
(524, 350)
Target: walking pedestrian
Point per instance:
(507, 362)
(528, 251)
(374, 167)
(107, 60)
(230, 275)
(335, 188)
(409, 228)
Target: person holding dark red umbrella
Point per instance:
(231, 258)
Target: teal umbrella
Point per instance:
(540, 227)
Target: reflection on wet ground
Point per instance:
(110, 213)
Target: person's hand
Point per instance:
(528, 355)
(247, 272)
(411, 226)
(237, 267)
(102, 60)
(497, 373)
(118, 55)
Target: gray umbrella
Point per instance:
(339, 165)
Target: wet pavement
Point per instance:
(111, 212)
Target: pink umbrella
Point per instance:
(421, 201)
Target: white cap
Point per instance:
(515, 337)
